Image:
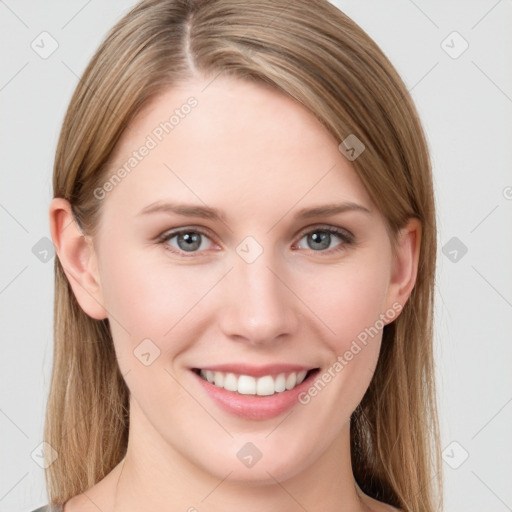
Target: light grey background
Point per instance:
(465, 104)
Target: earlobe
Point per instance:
(405, 263)
(77, 257)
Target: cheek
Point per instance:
(351, 299)
(151, 305)
(351, 306)
(149, 297)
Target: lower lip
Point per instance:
(254, 407)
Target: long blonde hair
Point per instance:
(312, 52)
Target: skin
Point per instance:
(259, 157)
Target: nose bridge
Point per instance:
(260, 307)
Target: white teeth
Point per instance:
(280, 383)
(219, 379)
(231, 382)
(301, 376)
(291, 380)
(248, 385)
(265, 386)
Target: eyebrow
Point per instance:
(207, 212)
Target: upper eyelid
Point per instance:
(327, 227)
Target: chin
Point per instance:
(261, 462)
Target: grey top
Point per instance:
(49, 508)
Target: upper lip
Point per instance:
(256, 371)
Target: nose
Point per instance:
(259, 306)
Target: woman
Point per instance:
(245, 228)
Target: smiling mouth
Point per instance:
(265, 385)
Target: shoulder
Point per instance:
(49, 508)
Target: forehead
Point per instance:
(231, 143)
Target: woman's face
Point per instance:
(241, 241)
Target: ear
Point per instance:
(77, 257)
(405, 264)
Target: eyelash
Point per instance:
(346, 239)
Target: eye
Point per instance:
(186, 240)
(323, 239)
(319, 239)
